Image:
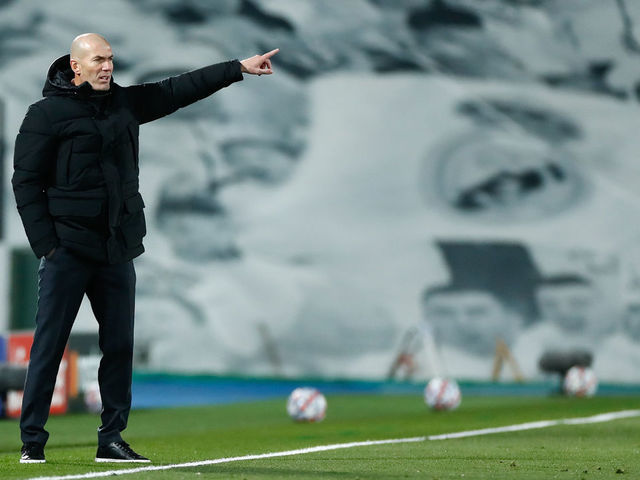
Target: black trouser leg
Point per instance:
(61, 285)
(111, 292)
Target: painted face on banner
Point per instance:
(570, 306)
(470, 319)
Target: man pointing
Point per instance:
(76, 187)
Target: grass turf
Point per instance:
(180, 435)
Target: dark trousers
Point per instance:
(63, 280)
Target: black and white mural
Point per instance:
(420, 179)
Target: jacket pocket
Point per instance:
(75, 207)
(133, 223)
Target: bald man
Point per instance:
(76, 187)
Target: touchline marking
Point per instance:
(603, 417)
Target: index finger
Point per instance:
(271, 53)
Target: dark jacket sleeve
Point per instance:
(151, 101)
(33, 160)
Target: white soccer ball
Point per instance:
(442, 394)
(306, 404)
(580, 382)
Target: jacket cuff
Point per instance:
(235, 70)
(44, 246)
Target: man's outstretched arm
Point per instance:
(155, 100)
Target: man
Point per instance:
(571, 319)
(469, 319)
(76, 187)
(461, 329)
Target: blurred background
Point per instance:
(423, 187)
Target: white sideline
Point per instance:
(603, 417)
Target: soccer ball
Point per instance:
(580, 382)
(306, 404)
(442, 394)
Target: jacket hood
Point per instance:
(59, 78)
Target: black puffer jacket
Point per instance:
(76, 159)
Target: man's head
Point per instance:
(469, 319)
(569, 301)
(92, 61)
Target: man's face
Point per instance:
(94, 65)
(570, 307)
(471, 320)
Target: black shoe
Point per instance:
(32, 453)
(119, 452)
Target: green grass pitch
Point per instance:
(180, 435)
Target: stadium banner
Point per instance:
(3, 358)
(421, 188)
(3, 348)
(18, 350)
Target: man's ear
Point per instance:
(75, 66)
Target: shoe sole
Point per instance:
(117, 460)
(22, 460)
